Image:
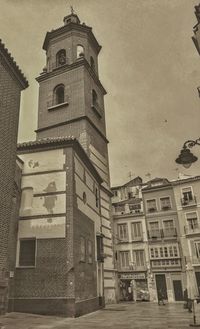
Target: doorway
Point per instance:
(161, 285)
(178, 290)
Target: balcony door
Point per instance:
(161, 285)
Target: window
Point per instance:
(192, 220)
(197, 249)
(124, 259)
(156, 252)
(89, 252)
(61, 57)
(82, 249)
(26, 199)
(165, 203)
(94, 97)
(92, 64)
(136, 230)
(161, 252)
(27, 252)
(80, 51)
(100, 249)
(168, 251)
(168, 228)
(97, 197)
(135, 207)
(59, 95)
(154, 231)
(151, 205)
(187, 194)
(175, 251)
(152, 252)
(123, 231)
(138, 257)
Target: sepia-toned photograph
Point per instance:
(99, 164)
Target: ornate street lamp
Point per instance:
(186, 158)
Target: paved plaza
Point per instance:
(119, 316)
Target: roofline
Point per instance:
(59, 142)
(13, 66)
(184, 180)
(67, 67)
(70, 27)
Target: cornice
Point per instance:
(68, 67)
(69, 27)
(13, 67)
(84, 117)
(46, 144)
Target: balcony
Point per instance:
(152, 209)
(165, 208)
(166, 263)
(192, 229)
(189, 202)
(154, 234)
(195, 261)
(169, 232)
(51, 105)
(166, 233)
(137, 238)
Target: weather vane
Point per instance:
(72, 10)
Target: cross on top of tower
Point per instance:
(72, 10)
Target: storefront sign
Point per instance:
(133, 276)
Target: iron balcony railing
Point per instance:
(189, 202)
(162, 233)
(192, 228)
(196, 260)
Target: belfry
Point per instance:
(64, 262)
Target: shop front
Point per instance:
(133, 287)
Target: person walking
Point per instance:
(160, 297)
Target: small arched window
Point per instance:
(80, 51)
(94, 97)
(61, 57)
(92, 64)
(59, 94)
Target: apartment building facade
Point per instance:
(163, 238)
(187, 196)
(130, 237)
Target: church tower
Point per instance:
(71, 103)
(71, 96)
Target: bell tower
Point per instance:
(71, 103)
(71, 96)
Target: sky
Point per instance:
(148, 65)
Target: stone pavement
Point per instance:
(119, 316)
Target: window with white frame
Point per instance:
(151, 205)
(165, 203)
(90, 260)
(168, 227)
(197, 248)
(187, 194)
(124, 259)
(154, 229)
(27, 252)
(136, 230)
(139, 257)
(192, 220)
(168, 251)
(123, 231)
(82, 249)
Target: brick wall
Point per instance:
(9, 112)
